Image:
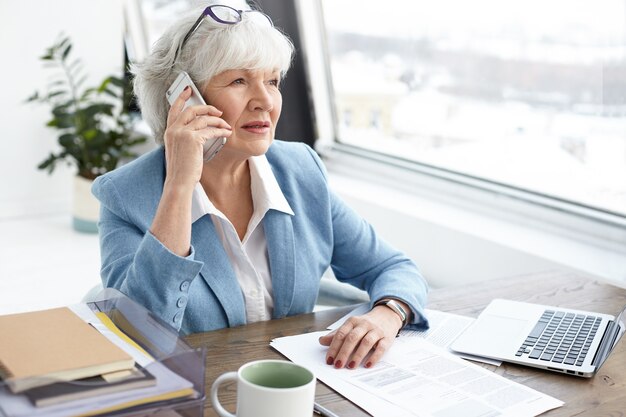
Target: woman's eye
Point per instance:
(275, 82)
(239, 81)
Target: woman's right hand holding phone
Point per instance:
(187, 130)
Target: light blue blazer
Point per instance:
(200, 292)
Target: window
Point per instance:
(529, 94)
(146, 20)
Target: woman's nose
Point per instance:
(261, 99)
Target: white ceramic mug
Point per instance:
(269, 388)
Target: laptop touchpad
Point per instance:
(493, 336)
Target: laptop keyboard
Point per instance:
(561, 337)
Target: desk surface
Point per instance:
(605, 393)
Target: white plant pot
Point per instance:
(86, 208)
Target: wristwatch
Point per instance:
(396, 307)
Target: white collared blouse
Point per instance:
(248, 257)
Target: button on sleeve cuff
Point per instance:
(162, 279)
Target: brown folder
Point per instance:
(42, 347)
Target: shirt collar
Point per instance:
(266, 193)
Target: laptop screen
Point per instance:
(613, 334)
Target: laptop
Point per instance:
(558, 339)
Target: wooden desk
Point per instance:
(602, 395)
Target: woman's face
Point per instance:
(251, 104)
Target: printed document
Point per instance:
(419, 379)
(444, 329)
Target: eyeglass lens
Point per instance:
(228, 15)
(225, 14)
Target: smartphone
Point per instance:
(211, 146)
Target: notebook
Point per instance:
(563, 340)
(41, 347)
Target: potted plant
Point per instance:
(95, 130)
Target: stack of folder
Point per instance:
(74, 361)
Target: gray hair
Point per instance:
(212, 49)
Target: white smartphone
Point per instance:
(213, 146)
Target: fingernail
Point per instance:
(338, 364)
(368, 365)
(330, 360)
(352, 364)
(186, 88)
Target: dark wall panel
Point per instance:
(297, 119)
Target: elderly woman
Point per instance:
(247, 235)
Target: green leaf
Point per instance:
(117, 81)
(63, 107)
(90, 134)
(57, 83)
(66, 51)
(137, 141)
(62, 122)
(87, 93)
(104, 84)
(48, 163)
(67, 140)
(60, 111)
(111, 93)
(55, 94)
(62, 43)
(44, 164)
(93, 109)
(33, 97)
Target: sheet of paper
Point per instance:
(444, 329)
(360, 309)
(421, 379)
(312, 356)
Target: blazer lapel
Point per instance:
(217, 271)
(281, 247)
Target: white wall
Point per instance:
(445, 254)
(27, 28)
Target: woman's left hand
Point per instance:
(367, 336)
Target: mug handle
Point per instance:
(229, 376)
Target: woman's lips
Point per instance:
(257, 127)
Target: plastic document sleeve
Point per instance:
(173, 371)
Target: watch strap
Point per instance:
(396, 307)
